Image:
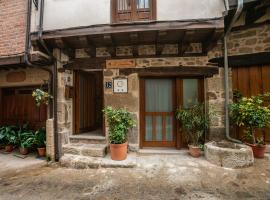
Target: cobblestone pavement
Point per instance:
(156, 177)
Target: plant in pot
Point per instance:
(252, 114)
(9, 135)
(194, 122)
(119, 121)
(40, 141)
(26, 140)
(41, 97)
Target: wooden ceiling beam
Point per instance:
(134, 38)
(159, 49)
(62, 44)
(211, 41)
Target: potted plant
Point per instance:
(9, 135)
(40, 141)
(194, 122)
(41, 97)
(252, 114)
(119, 121)
(26, 140)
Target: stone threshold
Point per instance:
(161, 151)
(84, 162)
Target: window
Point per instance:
(133, 10)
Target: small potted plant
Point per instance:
(194, 122)
(119, 121)
(40, 141)
(26, 140)
(9, 135)
(41, 97)
(252, 114)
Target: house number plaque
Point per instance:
(120, 85)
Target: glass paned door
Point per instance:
(159, 112)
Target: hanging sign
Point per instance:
(120, 85)
(120, 63)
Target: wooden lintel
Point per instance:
(86, 63)
(191, 71)
(108, 39)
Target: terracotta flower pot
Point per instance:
(258, 151)
(9, 148)
(118, 151)
(23, 151)
(41, 152)
(194, 151)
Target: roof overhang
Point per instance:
(205, 31)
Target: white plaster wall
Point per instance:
(189, 9)
(61, 14)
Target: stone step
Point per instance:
(87, 139)
(92, 150)
(84, 162)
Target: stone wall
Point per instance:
(23, 77)
(64, 106)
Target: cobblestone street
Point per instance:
(156, 177)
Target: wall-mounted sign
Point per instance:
(120, 85)
(108, 85)
(121, 63)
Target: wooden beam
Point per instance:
(183, 45)
(159, 49)
(192, 71)
(112, 51)
(245, 60)
(91, 51)
(211, 41)
(86, 63)
(134, 37)
(62, 44)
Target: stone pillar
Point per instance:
(215, 94)
(50, 148)
(64, 106)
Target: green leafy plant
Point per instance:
(8, 134)
(41, 97)
(251, 113)
(119, 121)
(40, 138)
(26, 138)
(194, 122)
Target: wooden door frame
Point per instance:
(177, 94)
(76, 104)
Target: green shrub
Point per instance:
(40, 138)
(8, 135)
(26, 138)
(251, 113)
(119, 121)
(194, 122)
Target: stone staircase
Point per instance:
(88, 151)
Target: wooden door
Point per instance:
(84, 102)
(18, 107)
(157, 113)
(252, 81)
(160, 97)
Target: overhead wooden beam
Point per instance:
(206, 71)
(134, 37)
(182, 45)
(159, 49)
(212, 39)
(61, 44)
(84, 63)
(112, 51)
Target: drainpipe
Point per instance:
(52, 72)
(226, 70)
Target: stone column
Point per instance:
(64, 106)
(50, 148)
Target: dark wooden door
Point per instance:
(160, 97)
(88, 101)
(18, 107)
(252, 81)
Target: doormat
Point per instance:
(20, 156)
